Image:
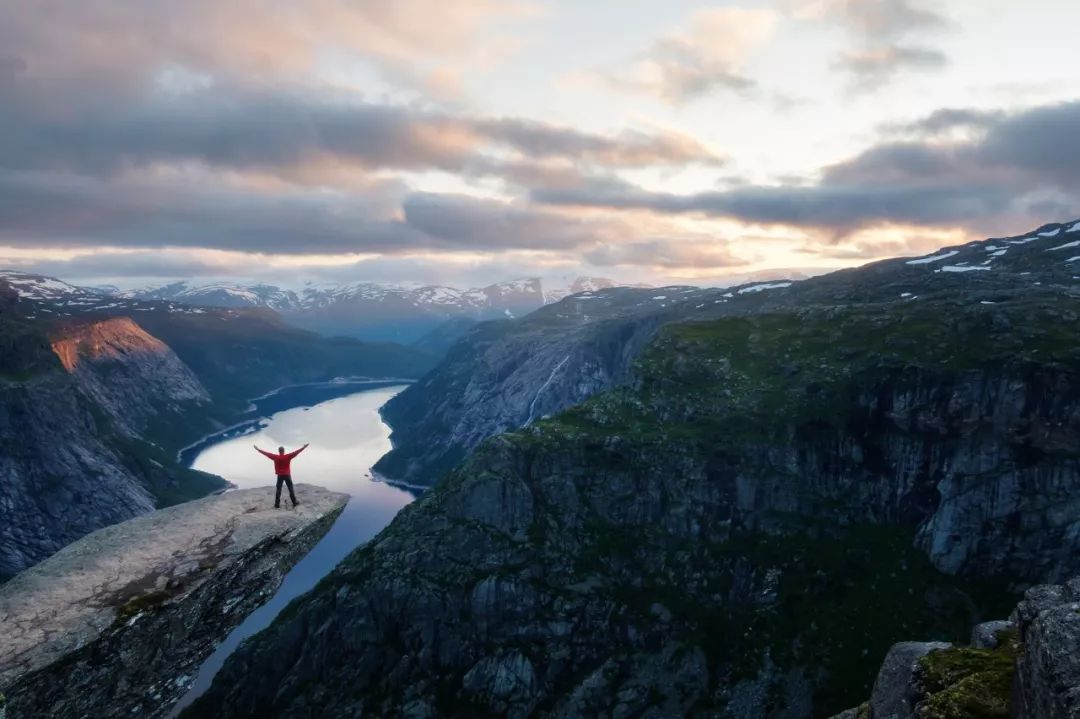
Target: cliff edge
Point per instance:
(117, 623)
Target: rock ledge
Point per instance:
(118, 622)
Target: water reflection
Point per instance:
(347, 436)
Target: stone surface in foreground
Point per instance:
(118, 622)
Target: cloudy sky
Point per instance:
(478, 140)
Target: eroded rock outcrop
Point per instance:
(117, 623)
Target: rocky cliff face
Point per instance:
(130, 374)
(1047, 677)
(77, 424)
(742, 529)
(502, 377)
(117, 623)
(62, 475)
(506, 375)
(94, 405)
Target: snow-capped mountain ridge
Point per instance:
(371, 310)
(322, 295)
(50, 298)
(368, 310)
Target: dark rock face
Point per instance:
(507, 375)
(117, 623)
(894, 694)
(62, 478)
(1027, 667)
(759, 502)
(1047, 682)
(504, 376)
(73, 458)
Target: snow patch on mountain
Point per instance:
(933, 258)
(962, 268)
(763, 287)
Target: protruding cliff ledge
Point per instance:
(117, 623)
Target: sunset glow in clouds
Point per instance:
(458, 142)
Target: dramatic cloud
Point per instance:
(882, 32)
(706, 55)
(840, 207)
(302, 133)
(45, 210)
(124, 44)
(469, 222)
(886, 19)
(669, 253)
(157, 138)
(1023, 167)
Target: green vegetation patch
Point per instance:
(169, 482)
(25, 352)
(968, 683)
(746, 379)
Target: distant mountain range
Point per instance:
(373, 311)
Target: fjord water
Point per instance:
(347, 436)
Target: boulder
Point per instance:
(985, 635)
(894, 695)
(1047, 683)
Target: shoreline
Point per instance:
(366, 513)
(259, 415)
(376, 477)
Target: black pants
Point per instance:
(287, 479)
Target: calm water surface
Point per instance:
(347, 436)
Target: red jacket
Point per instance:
(282, 461)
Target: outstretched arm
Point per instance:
(263, 452)
(290, 455)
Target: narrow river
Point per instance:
(347, 436)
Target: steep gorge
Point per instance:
(508, 374)
(97, 397)
(503, 376)
(743, 529)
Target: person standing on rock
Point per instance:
(283, 470)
